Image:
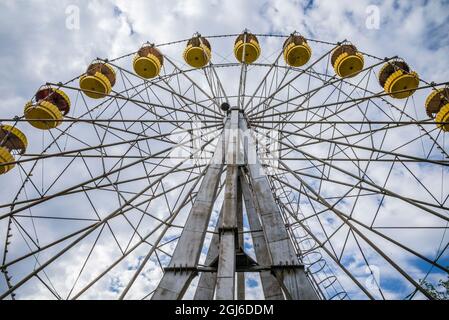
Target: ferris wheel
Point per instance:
(228, 167)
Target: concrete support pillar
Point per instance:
(182, 267)
(206, 284)
(229, 228)
(245, 181)
(241, 240)
(285, 263)
(270, 285)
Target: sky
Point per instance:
(47, 41)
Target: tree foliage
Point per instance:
(440, 291)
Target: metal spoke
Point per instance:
(332, 169)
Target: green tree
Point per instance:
(440, 291)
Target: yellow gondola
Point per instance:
(197, 53)
(396, 76)
(437, 106)
(11, 139)
(296, 51)
(247, 48)
(49, 109)
(148, 61)
(347, 60)
(98, 80)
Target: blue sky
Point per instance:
(37, 46)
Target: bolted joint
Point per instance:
(287, 266)
(182, 269)
(228, 228)
(225, 106)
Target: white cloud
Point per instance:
(39, 48)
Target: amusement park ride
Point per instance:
(290, 218)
